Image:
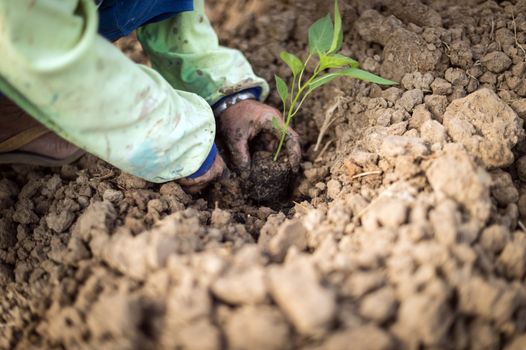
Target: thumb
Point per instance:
(240, 154)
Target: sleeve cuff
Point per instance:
(256, 91)
(207, 164)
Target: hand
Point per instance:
(244, 121)
(216, 171)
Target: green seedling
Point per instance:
(325, 43)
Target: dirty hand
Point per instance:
(244, 121)
(217, 170)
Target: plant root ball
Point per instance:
(269, 180)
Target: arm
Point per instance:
(76, 83)
(186, 51)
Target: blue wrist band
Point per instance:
(207, 164)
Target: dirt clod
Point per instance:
(496, 62)
(310, 311)
(269, 180)
(258, 328)
(403, 230)
(466, 183)
(486, 126)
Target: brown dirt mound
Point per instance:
(407, 226)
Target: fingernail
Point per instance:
(244, 166)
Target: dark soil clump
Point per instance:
(269, 180)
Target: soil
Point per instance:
(405, 229)
(269, 181)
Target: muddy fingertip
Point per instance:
(294, 164)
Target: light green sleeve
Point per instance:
(55, 66)
(185, 50)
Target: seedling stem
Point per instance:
(325, 41)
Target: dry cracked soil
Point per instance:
(404, 230)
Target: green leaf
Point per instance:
(293, 62)
(323, 80)
(283, 90)
(349, 72)
(337, 61)
(337, 39)
(276, 125)
(367, 76)
(320, 35)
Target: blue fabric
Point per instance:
(207, 164)
(119, 18)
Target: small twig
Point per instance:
(366, 209)
(106, 176)
(303, 206)
(323, 150)
(472, 76)
(521, 225)
(515, 34)
(328, 121)
(492, 33)
(367, 173)
(448, 49)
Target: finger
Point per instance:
(191, 186)
(271, 144)
(268, 142)
(217, 169)
(195, 189)
(240, 153)
(226, 175)
(220, 169)
(197, 185)
(293, 147)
